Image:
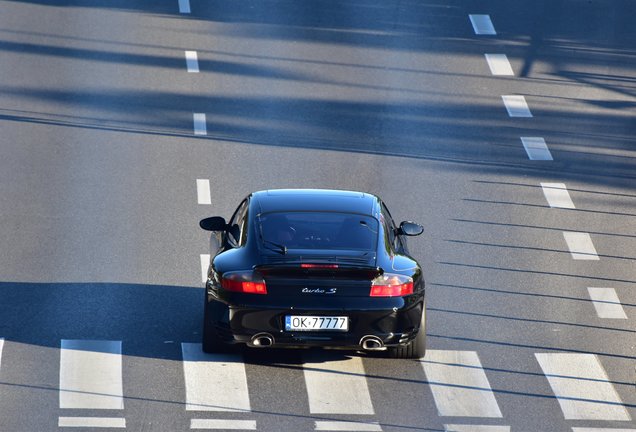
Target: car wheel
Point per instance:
(211, 343)
(415, 349)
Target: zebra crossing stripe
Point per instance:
(586, 429)
(91, 374)
(582, 387)
(93, 422)
(459, 384)
(91, 378)
(210, 424)
(323, 375)
(214, 382)
(475, 428)
(348, 426)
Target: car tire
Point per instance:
(415, 349)
(211, 343)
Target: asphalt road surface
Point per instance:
(505, 127)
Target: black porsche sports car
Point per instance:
(308, 267)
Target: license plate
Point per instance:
(309, 323)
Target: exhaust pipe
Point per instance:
(261, 340)
(372, 343)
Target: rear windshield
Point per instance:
(315, 230)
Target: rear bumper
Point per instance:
(395, 322)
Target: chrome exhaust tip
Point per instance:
(261, 340)
(372, 343)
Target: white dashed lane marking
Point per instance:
(581, 246)
(482, 24)
(516, 106)
(199, 121)
(184, 6)
(205, 264)
(606, 303)
(214, 382)
(459, 384)
(214, 424)
(336, 386)
(348, 426)
(536, 148)
(192, 61)
(557, 195)
(499, 64)
(582, 387)
(203, 191)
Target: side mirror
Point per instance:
(214, 223)
(411, 228)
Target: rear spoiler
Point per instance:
(319, 269)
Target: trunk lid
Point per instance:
(322, 277)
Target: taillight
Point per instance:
(391, 285)
(245, 282)
(322, 266)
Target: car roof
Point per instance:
(275, 200)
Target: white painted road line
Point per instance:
(184, 6)
(223, 424)
(475, 428)
(203, 191)
(192, 61)
(214, 382)
(92, 422)
(557, 195)
(91, 374)
(482, 25)
(586, 429)
(205, 264)
(336, 386)
(459, 385)
(581, 246)
(606, 303)
(581, 386)
(536, 148)
(499, 64)
(337, 426)
(199, 124)
(1, 347)
(516, 106)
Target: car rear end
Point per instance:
(316, 302)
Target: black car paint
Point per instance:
(236, 317)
